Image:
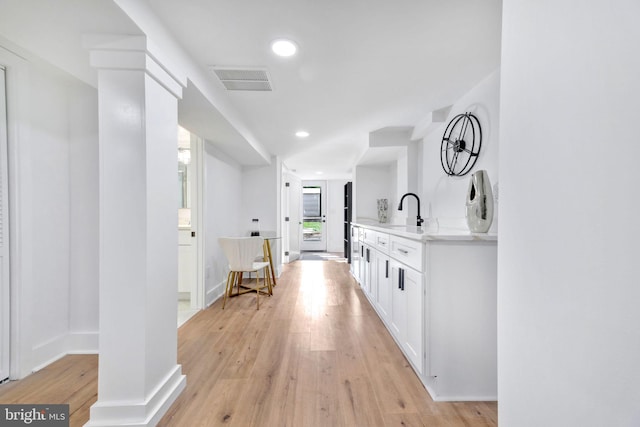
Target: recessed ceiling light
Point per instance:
(284, 47)
(302, 134)
(319, 173)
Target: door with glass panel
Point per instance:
(314, 226)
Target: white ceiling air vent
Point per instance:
(243, 79)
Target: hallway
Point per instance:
(315, 354)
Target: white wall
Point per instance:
(83, 187)
(568, 293)
(373, 183)
(222, 215)
(53, 119)
(63, 134)
(49, 194)
(446, 195)
(261, 199)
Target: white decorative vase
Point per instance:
(383, 207)
(479, 206)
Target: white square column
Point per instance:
(139, 376)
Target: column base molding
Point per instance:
(136, 414)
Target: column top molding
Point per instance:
(134, 52)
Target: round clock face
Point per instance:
(461, 144)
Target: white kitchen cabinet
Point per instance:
(364, 271)
(372, 274)
(383, 286)
(407, 251)
(186, 260)
(414, 340)
(436, 294)
(407, 314)
(463, 340)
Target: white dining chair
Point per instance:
(241, 253)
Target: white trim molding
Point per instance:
(140, 414)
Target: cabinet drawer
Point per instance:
(407, 251)
(369, 236)
(382, 243)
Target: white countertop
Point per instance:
(448, 230)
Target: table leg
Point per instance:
(267, 246)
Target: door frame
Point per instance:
(291, 215)
(5, 256)
(322, 245)
(285, 199)
(193, 235)
(197, 217)
(20, 269)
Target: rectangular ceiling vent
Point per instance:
(243, 79)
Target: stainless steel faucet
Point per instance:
(419, 220)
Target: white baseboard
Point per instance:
(58, 347)
(430, 385)
(82, 343)
(136, 414)
(214, 293)
(48, 352)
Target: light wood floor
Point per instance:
(315, 354)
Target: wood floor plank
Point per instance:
(71, 380)
(408, 419)
(314, 355)
(357, 404)
(326, 408)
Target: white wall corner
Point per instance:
(392, 136)
(48, 352)
(430, 122)
(62, 345)
(83, 342)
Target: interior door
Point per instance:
(295, 217)
(314, 206)
(4, 238)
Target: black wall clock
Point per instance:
(461, 144)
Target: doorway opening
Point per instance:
(190, 245)
(314, 230)
(292, 221)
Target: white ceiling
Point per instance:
(362, 65)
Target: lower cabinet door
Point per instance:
(398, 302)
(383, 295)
(414, 332)
(363, 266)
(407, 322)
